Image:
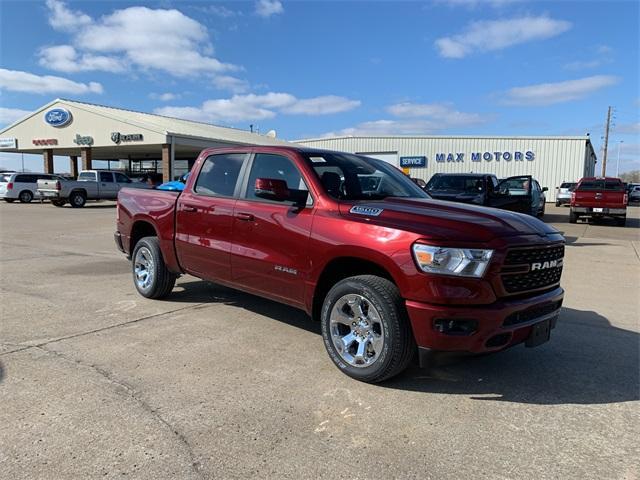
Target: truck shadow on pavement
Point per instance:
(587, 360)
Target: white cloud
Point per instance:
(165, 97)
(442, 113)
(323, 105)
(232, 84)
(632, 128)
(165, 40)
(221, 11)
(267, 8)
(10, 115)
(61, 18)
(65, 58)
(416, 119)
(550, 93)
(601, 55)
(18, 81)
(490, 35)
(259, 107)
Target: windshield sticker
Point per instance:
(371, 211)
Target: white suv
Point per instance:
(22, 186)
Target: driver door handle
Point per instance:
(189, 208)
(247, 217)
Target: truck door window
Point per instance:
(274, 166)
(87, 177)
(106, 177)
(219, 174)
(120, 178)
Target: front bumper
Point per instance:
(499, 325)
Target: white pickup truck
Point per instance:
(90, 185)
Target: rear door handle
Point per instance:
(247, 217)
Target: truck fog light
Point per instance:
(450, 326)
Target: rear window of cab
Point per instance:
(608, 185)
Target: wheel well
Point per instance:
(78, 190)
(339, 269)
(140, 230)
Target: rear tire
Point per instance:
(621, 221)
(9, 200)
(151, 277)
(557, 204)
(573, 217)
(77, 199)
(58, 203)
(366, 329)
(25, 196)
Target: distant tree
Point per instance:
(632, 176)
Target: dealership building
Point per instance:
(550, 160)
(137, 142)
(133, 142)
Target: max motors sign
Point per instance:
(486, 157)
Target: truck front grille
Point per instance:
(527, 269)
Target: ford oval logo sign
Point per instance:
(58, 117)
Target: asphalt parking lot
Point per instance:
(96, 381)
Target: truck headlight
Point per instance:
(463, 262)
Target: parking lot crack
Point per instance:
(98, 330)
(123, 388)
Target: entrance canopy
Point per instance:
(96, 132)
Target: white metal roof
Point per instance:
(498, 137)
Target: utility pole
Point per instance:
(606, 143)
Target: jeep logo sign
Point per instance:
(58, 117)
(545, 265)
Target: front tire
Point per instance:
(366, 330)
(151, 277)
(25, 196)
(77, 199)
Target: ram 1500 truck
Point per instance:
(356, 244)
(90, 185)
(599, 197)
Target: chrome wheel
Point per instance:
(144, 268)
(356, 330)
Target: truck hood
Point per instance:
(443, 220)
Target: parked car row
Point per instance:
(23, 186)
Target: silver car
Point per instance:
(634, 194)
(563, 195)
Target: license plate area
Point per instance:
(540, 333)
(598, 210)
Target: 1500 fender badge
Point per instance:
(370, 211)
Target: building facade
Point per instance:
(550, 160)
(137, 141)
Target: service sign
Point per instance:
(413, 162)
(58, 117)
(8, 142)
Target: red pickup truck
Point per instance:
(599, 197)
(356, 244)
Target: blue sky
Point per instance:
(308, 69)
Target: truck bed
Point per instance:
(157, 206)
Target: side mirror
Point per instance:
(272, 189)
(545, 189)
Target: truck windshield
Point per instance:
(456, 183)
(352, 177)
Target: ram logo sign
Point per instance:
(546, 265)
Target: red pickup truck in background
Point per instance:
(387, 270)
(599, 197)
